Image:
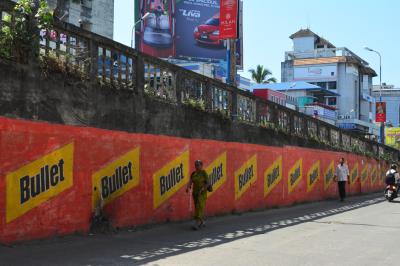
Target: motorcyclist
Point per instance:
(392, 176)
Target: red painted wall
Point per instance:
(267, 94)
(23, 142)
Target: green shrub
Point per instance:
(20, 32)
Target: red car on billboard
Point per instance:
(208, 33)
(157, 32)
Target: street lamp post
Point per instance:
(134, 25)
(382, 128)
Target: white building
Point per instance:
(317, 61)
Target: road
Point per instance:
(361, 231)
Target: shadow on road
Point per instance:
(130, 248)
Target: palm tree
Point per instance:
(261, 75)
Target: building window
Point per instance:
(321, 84)
(332, 101)
(86, 4)
(332, 85)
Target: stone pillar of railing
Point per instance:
(304, 127)
(178, 86)
(208, 96)
(275, 114)
(234, 106)
(291, 127)
(139, 77)
(328, 133)
(94, 63)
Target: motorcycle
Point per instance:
(391, 192)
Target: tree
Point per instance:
(262, 75)
(20, 33)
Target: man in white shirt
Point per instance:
(342, 175)
(392, 176)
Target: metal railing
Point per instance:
(104, 60)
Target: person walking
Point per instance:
(342, 176)
(199, 181)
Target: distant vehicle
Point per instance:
(208, 33)
(158, 30)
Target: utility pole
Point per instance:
(232, 60)
(382, 127)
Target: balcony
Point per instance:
(320, 111)
(323, 53)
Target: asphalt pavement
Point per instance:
(361, 231)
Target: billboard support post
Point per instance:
(233, 62)
(228, 61)
(229, 12)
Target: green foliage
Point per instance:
(356, 149)
(20, 32)
(386, 157)
(5, 43)
(197, 104)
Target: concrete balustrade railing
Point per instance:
(107, 61)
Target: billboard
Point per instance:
(197, 30)
(380, 112)
(155, 35)
(392, 135)
(229, 19)
(182, 29)
(326, 72)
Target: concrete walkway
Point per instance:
(361, 231)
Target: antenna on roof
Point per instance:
(308, 21)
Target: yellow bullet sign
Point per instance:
(116, 178)
(295, 175)
(313, 176)
(329, 175)
(245, 176)
(216, 172)
(39, 181)
(170, 179)
(272, 176)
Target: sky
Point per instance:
(345, 23)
